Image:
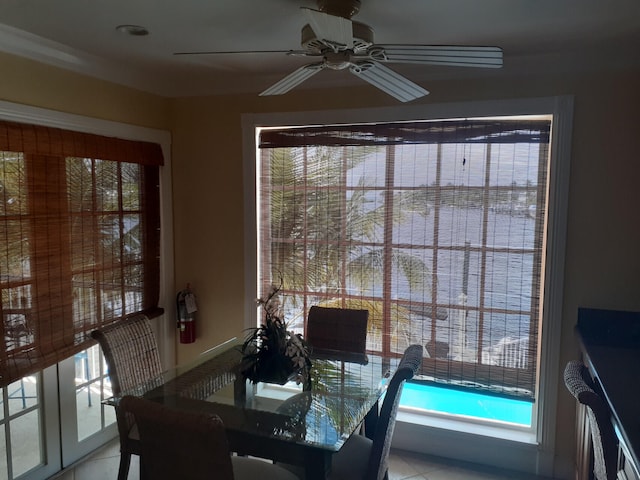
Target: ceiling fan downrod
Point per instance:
(340, 8)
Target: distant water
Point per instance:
(508, 276)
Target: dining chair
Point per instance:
(295, 408)
(362, 458)
(335, 331)
(131, 352)
(190, 446)
(605, 444)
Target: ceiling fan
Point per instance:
(340, 43)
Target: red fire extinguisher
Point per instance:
(186, 305)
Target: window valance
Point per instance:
(40, 140)
(398, 133)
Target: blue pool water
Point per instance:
(468, 404)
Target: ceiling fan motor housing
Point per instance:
(362, 39)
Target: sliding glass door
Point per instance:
(86, 423)
(29, 439)
(55, 417)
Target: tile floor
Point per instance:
(103, 465)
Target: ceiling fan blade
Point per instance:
(388, 81)
(234, 52)
(446, 55)
(293, 79)
(336, 32)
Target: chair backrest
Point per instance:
(295, 409)
(605, 444)
(179, 445)
(408, 367)
(337, 329)
(131, 352)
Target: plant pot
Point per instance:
(271, 369)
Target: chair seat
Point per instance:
(251, 468)
(350, 463)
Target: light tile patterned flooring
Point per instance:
(103, 465)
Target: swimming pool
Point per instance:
(469, 404)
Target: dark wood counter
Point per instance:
(610, 343)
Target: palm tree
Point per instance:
(325, 229)
(14, 254)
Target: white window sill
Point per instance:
(470, 440)
(466, 425)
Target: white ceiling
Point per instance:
(80, 35)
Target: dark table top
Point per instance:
(613, 357)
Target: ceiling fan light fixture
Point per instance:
(337, 60)
(133, 30)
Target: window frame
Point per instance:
(561, 107)
(307, 146)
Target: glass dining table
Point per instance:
(283, 423)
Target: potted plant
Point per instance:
(270, 352)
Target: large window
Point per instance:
(80, 239)
(436, 227)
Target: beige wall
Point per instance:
(602, 262)
(34, 84)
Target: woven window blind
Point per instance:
(79, 240)
(436, 227)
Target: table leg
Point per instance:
(317, 465)
(370, 421)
